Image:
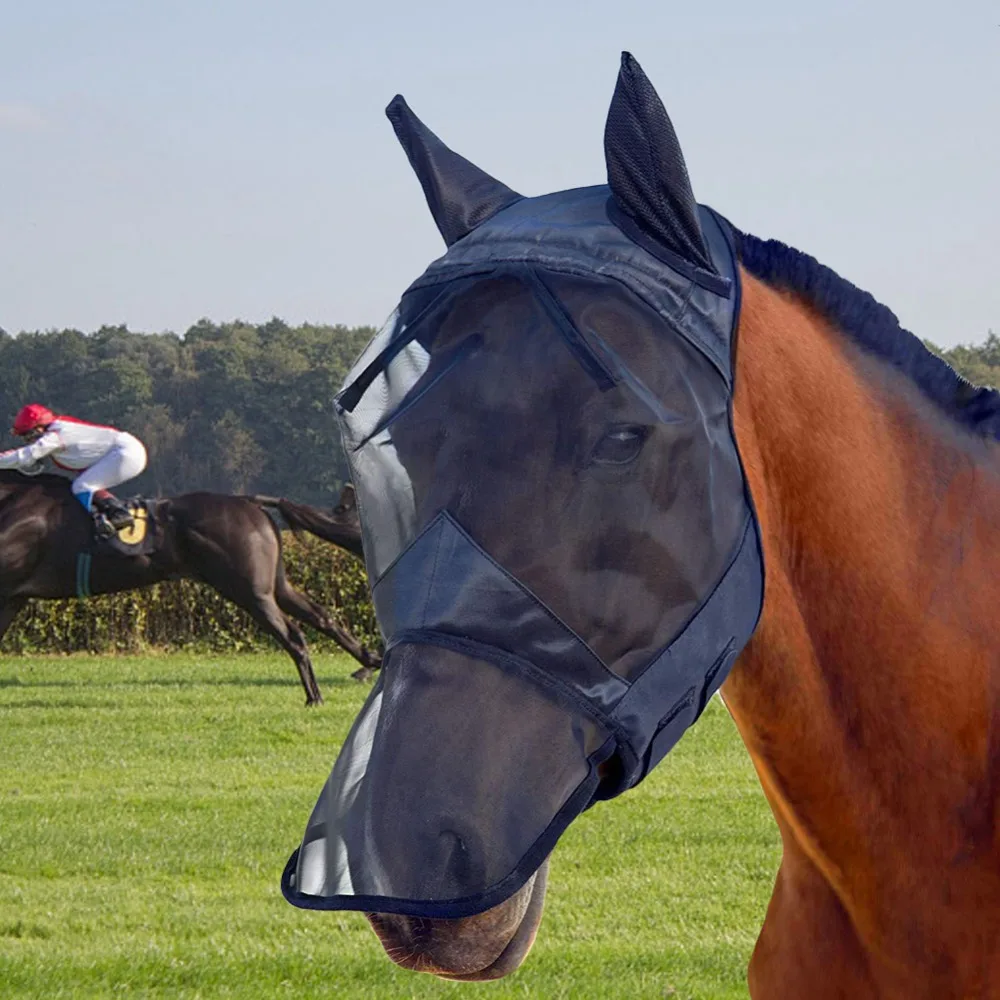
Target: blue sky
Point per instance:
(160, 163)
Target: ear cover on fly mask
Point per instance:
(459, 194)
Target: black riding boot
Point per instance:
(113, 509)
(102, 526)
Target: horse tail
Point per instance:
(302, 517)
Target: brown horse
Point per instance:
(47, 551)
(869, 699)
(869, 695)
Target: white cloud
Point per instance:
(21, 117)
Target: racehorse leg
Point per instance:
(307, 610)
(269, 616)
(248, 580)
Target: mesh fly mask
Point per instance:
(563, 552)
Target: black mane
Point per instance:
(12, 476)
(873, 327)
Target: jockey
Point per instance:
(99, 456)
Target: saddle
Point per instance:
(126, 528)
(139, 534)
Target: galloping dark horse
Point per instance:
(228, 542)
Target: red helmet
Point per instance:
(31, 416)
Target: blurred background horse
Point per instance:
(48, 551)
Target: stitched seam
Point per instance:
(502, 658)
(430, 585)
(462, 351)
(738, 550)
(524, 590)
(686, 701)
(639, 288)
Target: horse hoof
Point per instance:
(363, 674)
(311, 702)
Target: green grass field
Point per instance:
(148, 805)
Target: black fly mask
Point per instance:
(564, 557)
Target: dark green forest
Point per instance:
(978, 363)
(235, 407)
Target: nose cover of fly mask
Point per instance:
(563, 552)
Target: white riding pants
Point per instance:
(124, 461)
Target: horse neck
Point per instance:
(11, 483)
(866, 697)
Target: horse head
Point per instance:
(558, 533)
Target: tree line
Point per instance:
(233, 407)
(978, 363)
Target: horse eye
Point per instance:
(620, 445)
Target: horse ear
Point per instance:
(459, 194)
(646, 170)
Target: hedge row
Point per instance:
(190, 616)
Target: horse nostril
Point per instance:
(461, 856)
